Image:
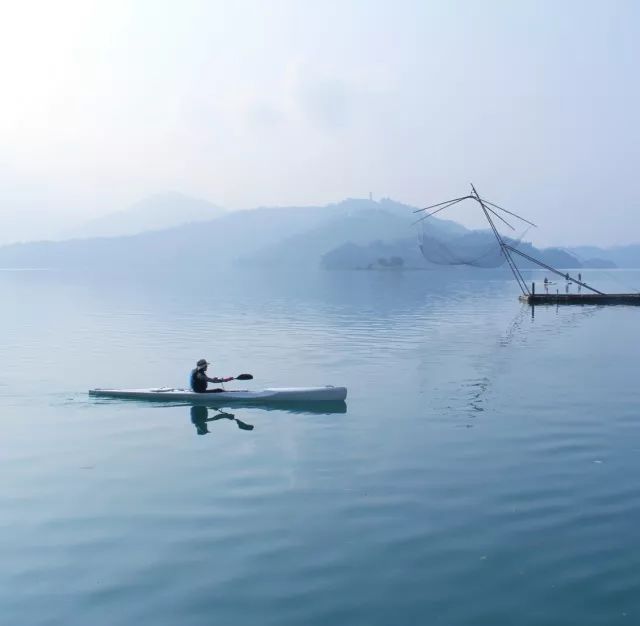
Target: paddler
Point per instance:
(199, 378)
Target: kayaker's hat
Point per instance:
(202, 363)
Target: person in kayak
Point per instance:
(199, 379)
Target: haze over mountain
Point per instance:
(355, 221)
(615, 256)
(281, 236)
(406, 253)
(157, 212)
(354, 233)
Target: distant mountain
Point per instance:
(291, 237)
(616, 256)
(354, 233)
(472, 246)
(157, 212)
(209, 246)
(446, 228)
(358, 222)
(376, 255)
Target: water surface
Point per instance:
(483, 472)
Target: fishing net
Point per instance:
(448, 243)
(473, 248)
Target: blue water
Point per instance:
(483, 473)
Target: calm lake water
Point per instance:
(484, 473)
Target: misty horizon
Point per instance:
(249, 105)
(159, 217)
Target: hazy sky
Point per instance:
(300, 102)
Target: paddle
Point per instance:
(238, 377)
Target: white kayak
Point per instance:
(274, 395)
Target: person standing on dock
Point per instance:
(546, 284)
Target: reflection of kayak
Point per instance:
(299, 408)
(266, 396)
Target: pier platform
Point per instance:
(581, 298)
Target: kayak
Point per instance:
(274, 395)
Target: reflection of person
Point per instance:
(200, 417)
(199, 378)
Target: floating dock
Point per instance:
(581, 298)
